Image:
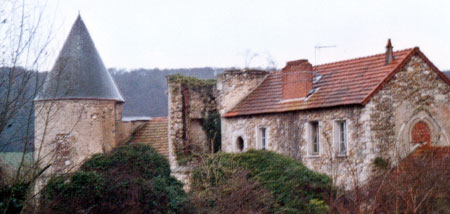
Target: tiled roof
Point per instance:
(155, 134)
(349, 82)
(79, 72)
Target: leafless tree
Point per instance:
(23, 51)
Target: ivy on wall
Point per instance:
(183, 87)
(211, 126)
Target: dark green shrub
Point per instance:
(211, 126)
(130, 179)
(293, 188)
(12, 197)
(381, 163)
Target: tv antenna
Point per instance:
(317, 48)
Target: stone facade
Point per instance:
(69, 131)
(381, 128)
(234, 85)
(416, 94)
(190, 100)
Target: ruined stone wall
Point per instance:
(69, 131)
(190, 100)
(382, 128)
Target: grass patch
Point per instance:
(12, 159)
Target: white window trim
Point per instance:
(310, 141)
(259, 137)
(336, 137)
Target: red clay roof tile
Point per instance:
(349, 82)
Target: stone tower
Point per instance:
(79, 109)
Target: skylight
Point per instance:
(317, 78)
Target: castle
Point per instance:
(336, 118)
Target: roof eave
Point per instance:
(237, 114)
(76, 98)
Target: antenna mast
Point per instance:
(318, 47)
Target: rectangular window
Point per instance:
(341, 137)
(263, 137)
(314, 138)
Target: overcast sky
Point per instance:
(198, 33)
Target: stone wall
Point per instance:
(69, 131)
(287, 134)
(126, 130)
(381, 128)
(416, 94)
(190, 100)
(235, 85)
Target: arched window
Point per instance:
(420, 133)
(240, 144)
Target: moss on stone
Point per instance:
(188, 80)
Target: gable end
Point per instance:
(416, 51)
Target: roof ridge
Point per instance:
(363, 57)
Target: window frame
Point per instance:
(338, 134)
(260, 138)
(312, 135)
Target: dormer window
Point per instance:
(311, 93)
(317, 79)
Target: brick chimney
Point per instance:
(389, 52)
(297, 79)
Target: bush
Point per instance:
(131, 179)
(281, 183)
(12, 194)
(12, 197)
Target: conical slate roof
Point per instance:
(79, 72)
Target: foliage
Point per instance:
(381, 163)
(15, 194)
(131, 179)
(211, 125)
(293, 188)
(418, 184)
(237, 194)
(192, 81)
(318, 206)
